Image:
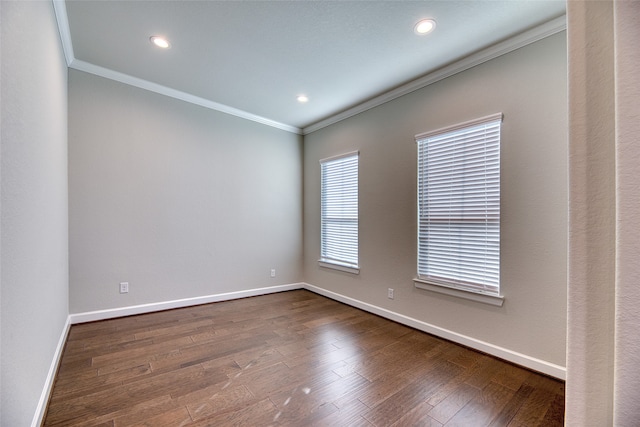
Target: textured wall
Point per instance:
(529, 87)
(176, 199)
(34, 234)
(603, 383)
(627, 376)
(591, 331)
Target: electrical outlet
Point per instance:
(390, 293)
(273, 272)
(124, 287)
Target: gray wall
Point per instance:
(184, 202)
(603, 380)
(529, 86)
(178, 200)
(34, 234)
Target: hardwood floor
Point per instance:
(288, 359)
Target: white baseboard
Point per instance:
(93, 316)
(533, 363)
(41, 409)
(538, 365)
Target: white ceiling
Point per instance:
(252, 58)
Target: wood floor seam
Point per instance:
(293, 358)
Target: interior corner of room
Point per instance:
(105, 182)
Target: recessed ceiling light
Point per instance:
(160, 42)
(425, 26)
(302, 99)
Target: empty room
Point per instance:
(371, 213)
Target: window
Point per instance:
(339, 213)
(459, 208)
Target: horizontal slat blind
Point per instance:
(339, 211)
(459, 207)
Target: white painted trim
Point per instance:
(339, 267)
(531, 36)
(340, 156)
(93, 316)
(62, 18)
(482, 120)
(497, 300)
(173, 93)
(60, 9)
(533, 363)
(51, 376)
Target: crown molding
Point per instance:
(173, 93)
(523, 39)
(60, 10)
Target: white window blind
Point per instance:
(339, 210)
(459, 206)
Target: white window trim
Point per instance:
(335, 264)
(489, 118)
(486, 298)
(339, 267)
(340, 156)
(496, 299)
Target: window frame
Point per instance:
(331, 253)
(452, 282)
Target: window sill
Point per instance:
(496, 300)
(340, 267)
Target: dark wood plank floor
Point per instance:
(287, 359)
